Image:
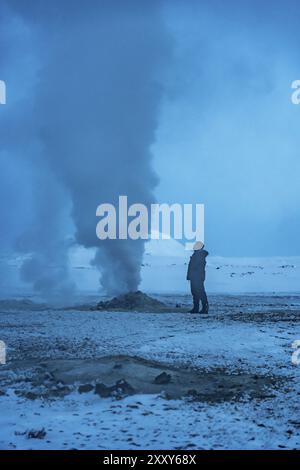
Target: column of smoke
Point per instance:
(94, 114)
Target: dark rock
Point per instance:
(162, 379)
(85, 388)
(29, 395)
(124, 387)
(102, 390)
(120, 389)
(36, 434)
(2, 393)
(295, 423)
(61, 390)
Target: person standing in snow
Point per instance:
(196, 276)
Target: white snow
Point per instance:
(220, 340)
(242, 333)
(146, 422)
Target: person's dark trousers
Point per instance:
(198, 293)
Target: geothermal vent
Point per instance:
(135, 301)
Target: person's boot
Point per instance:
(205, 308)
(195, 308)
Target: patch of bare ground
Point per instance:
(119, 376)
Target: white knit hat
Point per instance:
(198, 246)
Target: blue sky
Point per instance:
(229, 134)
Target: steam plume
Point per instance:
(94, 109)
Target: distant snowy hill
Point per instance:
(164, 274)
(165, 264)
(164, 271)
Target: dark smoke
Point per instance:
(93, 114)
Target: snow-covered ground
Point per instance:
(245, 338)
(238, 359)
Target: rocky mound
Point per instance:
(132, 301)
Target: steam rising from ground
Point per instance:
(82, 127)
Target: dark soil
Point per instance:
(132, 301)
